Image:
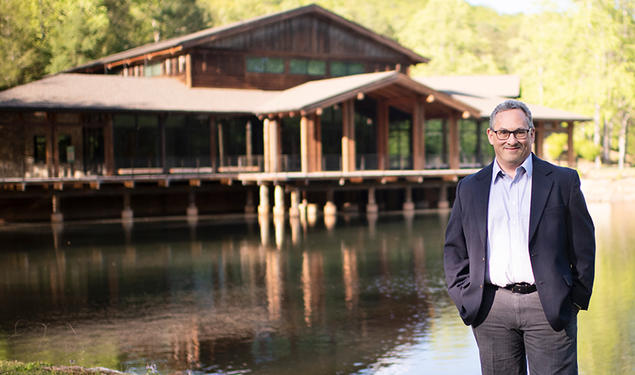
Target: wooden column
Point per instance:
(382, 135)
(213, 144)
(188, 70)
(305, 145)
(273, 140)
(454, 146)
(317, 133)
(266, 145)
(109, 147)
(418, 136)
(570, 151)
(348, 136)
(540, 138)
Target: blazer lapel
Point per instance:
(540, 189)
(481, 200)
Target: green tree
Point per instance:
(23, 54)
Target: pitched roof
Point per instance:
(323, 93)
(485, 92)
(173, 45)
(110, 92)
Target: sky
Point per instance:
(520, 6)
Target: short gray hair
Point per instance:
(508, 105)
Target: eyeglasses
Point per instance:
(503, 134)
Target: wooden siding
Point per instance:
(310, 35)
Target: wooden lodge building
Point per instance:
(301, 106)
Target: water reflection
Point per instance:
(272, 297)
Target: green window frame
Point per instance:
(307, 67)
(342, 68)
(265, 65)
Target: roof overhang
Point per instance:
(314, 95)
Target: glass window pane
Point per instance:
(256, 64)
(274, 65)
(316, 68)
(39, 149)
(298, 66)
(338, 68)
(356, 68)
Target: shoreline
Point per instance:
(608, 184)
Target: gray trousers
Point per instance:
(513, 334)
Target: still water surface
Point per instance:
(363, 297)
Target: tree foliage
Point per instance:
(581, 59)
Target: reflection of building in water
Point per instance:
(186, 347)
(295, 229)
(263, 222)
(273, 281)
(312, 283)
(350, 276)
(279, 225)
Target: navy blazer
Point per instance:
(561, 242)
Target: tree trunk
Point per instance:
(606, 146)
(622, 140)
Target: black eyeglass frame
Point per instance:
(504, 134)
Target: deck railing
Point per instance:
(204, 164)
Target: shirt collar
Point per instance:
(528, 165)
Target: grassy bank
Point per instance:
(38, 368)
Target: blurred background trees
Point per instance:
(581, 58)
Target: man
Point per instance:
(519, 253)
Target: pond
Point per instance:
(362, 295)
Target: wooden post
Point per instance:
(540, 138)
(317, 128)
(266, 145)
(188, 70)
(348, 136)
(418, 138)
(570, 151)
(455, 148)
(382, 135)
(274, 145)
(345, 137)
(305, 147)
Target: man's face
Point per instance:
(512, 152)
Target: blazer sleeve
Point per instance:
(455, 255)
(582, 245)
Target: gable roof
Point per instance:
(326, 92)
(174, 45)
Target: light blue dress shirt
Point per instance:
(508, 226)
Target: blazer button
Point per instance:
(481, 285)
(483, 259)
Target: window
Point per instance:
(64, 145)
(340, 68)
(153, 70)
(265, 65)
(39, 149)
(310, 67)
